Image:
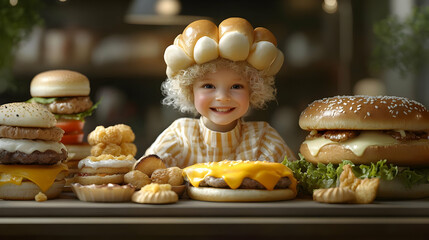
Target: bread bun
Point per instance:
(402, 154)
(20, 114)
(365, 113)
(235, 40)
(238, 195)
(98, 179)
(28, 190)
(59, 83)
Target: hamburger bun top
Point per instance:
(59, 83)
(20, 114)
(365, 113)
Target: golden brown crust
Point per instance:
(236, 24)
(87, 180)
(365, 113)
(59, 83)
(149, 164)
(47, 134)
(402, 154)
(195, 31)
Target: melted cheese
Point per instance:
(29, 146)
(42, 175)
(357, 144)
(233, 172)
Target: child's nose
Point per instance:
(222, 95)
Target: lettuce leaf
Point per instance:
(42, 100)
(78, 116)
(311, 176)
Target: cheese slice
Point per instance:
(28, 146)
(357, 144)
(42, 175)
(233, 172)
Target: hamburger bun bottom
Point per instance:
(238, 195)
(28, 190)
(396, 190)
(98, 180)
(402, 154)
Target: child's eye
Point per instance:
(208, 85)
(237, 86)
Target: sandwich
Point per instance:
(240, 181)
(66, 94)
(383, 136)
(30, 152)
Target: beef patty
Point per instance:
(48, 157)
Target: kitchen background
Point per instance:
(331, 48)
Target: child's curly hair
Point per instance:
(178, 91)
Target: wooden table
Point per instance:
(69, 218)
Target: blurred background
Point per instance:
(331, 47)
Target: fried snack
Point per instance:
(128, 148)
(149, 164)
(348, 179)
(334, 195)
(103, 148)
(40, 197)
(137, 179)
(366, 191)
(175, 176)
(160, 176)
(155, 194)
(113, 149)
(105, 135)
(126, 132)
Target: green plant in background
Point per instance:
(16, 22)
(402, 45)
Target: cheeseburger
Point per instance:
(30, 152)
(383, 136)
(66, 94)
(240, 181)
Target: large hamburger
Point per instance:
(383, 136)
(30, 152)
(66, 94)
(240, 181)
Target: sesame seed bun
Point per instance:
(22, 114)
(365, 113)
(59, 83)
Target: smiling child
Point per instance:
(220, 73)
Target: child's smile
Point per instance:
(221, 98)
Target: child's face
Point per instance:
(222, 98)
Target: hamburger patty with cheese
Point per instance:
(383, 136)
(30, 152)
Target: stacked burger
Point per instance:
(384, 137)
(30, 152)
(66, 94)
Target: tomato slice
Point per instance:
(73, 138)
(71, 125)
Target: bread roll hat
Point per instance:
(235, 39)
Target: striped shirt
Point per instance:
(188, 141)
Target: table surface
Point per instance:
(189, 218)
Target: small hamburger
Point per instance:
(240, 181)
(383, 136)
(30, 152)
(66, 94)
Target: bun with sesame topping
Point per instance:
(366, 129)
(382, 136)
